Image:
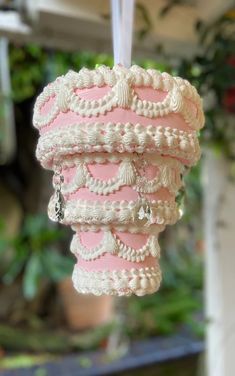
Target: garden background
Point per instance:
(42, 319)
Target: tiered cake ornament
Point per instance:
(118, 141)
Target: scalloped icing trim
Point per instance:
(99, 137)
(115, 212)
(168, 176)
(131, 228)
(117, 282)
(100, 158)
(121, 94)
(110, 243)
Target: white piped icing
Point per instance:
(137, 228)
(112, 244)
(117, 282)
(114, 212)
(99, 137)
(122, 83)
(168, 176)
(151, 159)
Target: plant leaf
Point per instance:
(57, 266)
(14, 268)
(32, 276)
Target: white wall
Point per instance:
(219, 195)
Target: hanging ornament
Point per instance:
(118, 140)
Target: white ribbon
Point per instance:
(122, 25)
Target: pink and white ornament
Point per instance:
(118, 140)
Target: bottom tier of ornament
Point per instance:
(117, 282)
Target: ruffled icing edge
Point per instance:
(122, 81)
(117, 282)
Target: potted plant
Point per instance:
(33, 255)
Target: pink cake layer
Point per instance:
(108, 261)
(124, 193)
(99, 171)
(90, 239)
(117, 115)
(111, 262)
(107, 171)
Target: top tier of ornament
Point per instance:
(135, 100)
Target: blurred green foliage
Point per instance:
(27, 66)
(32, 67)
(212, 71)
(178, 302)
(32, 254)
(25, 360)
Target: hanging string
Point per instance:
(122, 28)
(116, 22)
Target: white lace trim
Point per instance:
(121, 94)
(117, 282)
(115, 212)
(168, 176)
(132, 228)
(110, 243)
(99, 137)
(74, 160)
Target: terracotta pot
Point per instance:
(84, 311)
